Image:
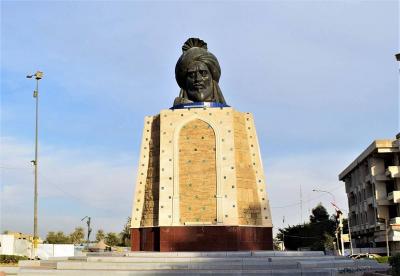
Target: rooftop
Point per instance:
(378, 146)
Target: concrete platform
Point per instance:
(201, 263)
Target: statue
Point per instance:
(200, 184)
(197, 73)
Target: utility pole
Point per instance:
(340, 214)
(301, 206)
(283, 234)
(38, 76)
(337, 240)
(387, 236)
(349, 227)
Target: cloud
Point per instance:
(71, 186)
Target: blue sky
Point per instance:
(320, 78)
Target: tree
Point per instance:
(57, 238)
(112, 239)
(77, 236)
(126, 233)
(329, 241)
(316, 235)
(319, 214)
(100, 235)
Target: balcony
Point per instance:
(394, 196)
(381, 177)
(395, 221)
(383, 202)
(393, 171)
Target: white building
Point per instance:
(373, 189)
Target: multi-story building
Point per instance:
(373, 190)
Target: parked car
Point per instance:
(364, 256)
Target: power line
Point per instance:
(14, 168)
(294, 236)
(310, 199)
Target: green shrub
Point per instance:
(11, 259)
(394, 261)
(384, 259)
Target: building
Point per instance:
(373, 189)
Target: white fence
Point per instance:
(55, 250)
(9, 245)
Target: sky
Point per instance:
(320, 78)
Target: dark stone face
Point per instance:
(199, 82)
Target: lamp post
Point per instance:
(38, 76)
(387, 236)
(340, 220)
(322, 191)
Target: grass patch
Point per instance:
(382, 260)
(11, 259)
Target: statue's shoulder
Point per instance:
(180, 100)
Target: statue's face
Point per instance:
(199, 82)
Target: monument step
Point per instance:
(283, 272)
(173, 266)
(202, 259)
(201, 263)
(223, 254)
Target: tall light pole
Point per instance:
(38, 76)
(340, 220)
(322, 191)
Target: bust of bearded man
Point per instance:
(197, 73)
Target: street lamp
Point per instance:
(38, 76)
(339, 213)
(322, 191)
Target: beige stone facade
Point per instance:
(200, 166)
(373, 189)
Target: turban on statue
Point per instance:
(195, 49)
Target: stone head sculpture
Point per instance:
(197, 73)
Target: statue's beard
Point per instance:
(201, 94)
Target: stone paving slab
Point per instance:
(9, 270)
(287, 272)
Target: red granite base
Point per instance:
(201, 238)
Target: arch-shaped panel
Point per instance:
(197, 173)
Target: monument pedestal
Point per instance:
(200, 183)
(201, 238)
